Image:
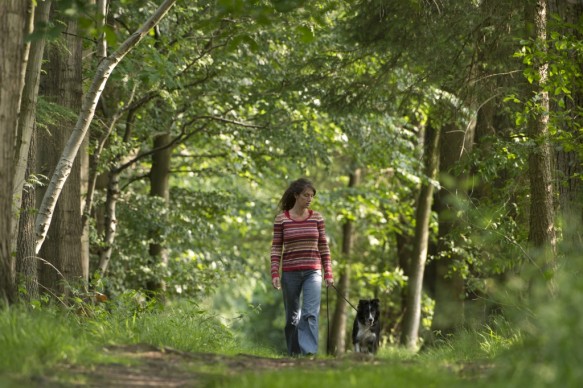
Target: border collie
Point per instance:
(367, 328)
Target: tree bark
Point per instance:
(159, 187)
(542, 235)
(412, 317)
(87, 168)
(568, 163)
(86, 115)
(26, 261)
(448, 288)
(62, 85)
(15, 23)
(337, 345)
(28, 111)
(110, 220)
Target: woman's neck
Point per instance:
(298, 212)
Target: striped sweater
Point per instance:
(300, 245)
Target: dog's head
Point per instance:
(368, 311)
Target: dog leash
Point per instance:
(328, 315)
(342, 296)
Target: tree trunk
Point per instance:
(569, 166)
(110, 219)
(337, 345)
(159, 187)
(65, 164)
(15, 21)
(411, 320)
(28, 111)
(449, 287)
(26, 261)
(542, 235)
(88, 170)
(62, 85)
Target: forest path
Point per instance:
(149, 366)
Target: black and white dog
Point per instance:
(367, 328)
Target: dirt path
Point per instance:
(148, 366)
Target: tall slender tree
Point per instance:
(412, 317)
(160, 188)
(15, 24)
(542, 234)
(337, 340)
(569, 151)
(24, 199)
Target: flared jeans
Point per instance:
(301, 298)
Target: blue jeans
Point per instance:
(301, 321)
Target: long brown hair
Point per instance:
(288, 199)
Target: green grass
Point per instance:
(349, 374)
(33, 342)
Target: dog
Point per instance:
(367, 327)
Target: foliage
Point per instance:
(549, 354)
(561, 52)
(258, 93)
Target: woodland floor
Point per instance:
(148, 366)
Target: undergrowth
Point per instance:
(34, 340)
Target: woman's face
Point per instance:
(304, 199)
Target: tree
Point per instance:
(411, 321)
(15, 22)
(90, 100)
(564, 51)
(337, 340)
(29, 101)
(61, 85)
(159, 187)
(542, 233)
(24, 194)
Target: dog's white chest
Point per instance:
(365, 334)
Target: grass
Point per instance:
(33, 342)
(347, 375)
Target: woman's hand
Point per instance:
(329, 282)
(276, 282)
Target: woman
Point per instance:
(300, 248)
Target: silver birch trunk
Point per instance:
(110, 219)
(90, 100)
(28, 113)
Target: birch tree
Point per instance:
(28, 105)
(90, 101)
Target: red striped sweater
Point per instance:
(300, 245)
